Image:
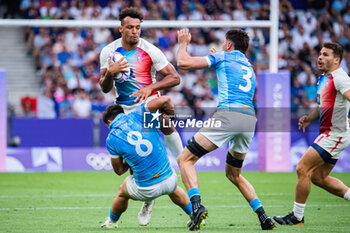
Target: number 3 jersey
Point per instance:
(143, 150)
(144, 61)
(236, 80)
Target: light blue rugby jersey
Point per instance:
(143, 151)
(236, 80)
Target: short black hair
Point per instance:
(111, 112)
(131, 12)
(239, 38)
(336, 48)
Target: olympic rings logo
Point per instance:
(100, 161)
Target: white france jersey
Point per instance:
(333, 106)
(144, 61)
(236, 80)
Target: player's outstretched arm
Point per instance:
(119, 166)
(305, 121)
(184, 60)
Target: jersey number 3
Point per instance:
(246, 77)
(138, 142)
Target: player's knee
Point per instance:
(232, 175)
(317, 180)
(186, 157)
(301, 171)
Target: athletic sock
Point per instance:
(114, 217)
(255, 204)
(174, 143)
(347, 195)
(188, 209)
(298, 210)
(195, 198)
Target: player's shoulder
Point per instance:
(147, 46)
(114, 45)
(339, 73)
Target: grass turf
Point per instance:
(80, 201)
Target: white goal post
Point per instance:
(272, 24)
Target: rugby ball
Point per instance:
(122, 76)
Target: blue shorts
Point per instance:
(327, 157)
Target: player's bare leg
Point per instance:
(186, 161)
(234, 175)
(321, 178)
(119, 206)
(308, 164)
(179, 197)
(120, 203)
(233, 169)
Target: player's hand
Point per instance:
(184, 36)
(118, 66)
(142, 94)
(303, 123)
(213, 50)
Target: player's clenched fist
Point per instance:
(184, 36)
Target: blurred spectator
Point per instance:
(98, 105)
(339, 5)
(175, 96)
(81, 104)
(49, 10)
(46, 105)
(29, 107)
(65, 106)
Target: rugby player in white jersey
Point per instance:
(333, 96)
(144, 60)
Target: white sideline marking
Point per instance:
(158, 207)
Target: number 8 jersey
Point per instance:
(236, 79)
(143, 150)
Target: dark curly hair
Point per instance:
(131, 12)
(239, 38)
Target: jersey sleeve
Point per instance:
(158, 58)
(111, 149)
(342, 83)
(104, 58)
(214, 58)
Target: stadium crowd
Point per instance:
(67, 59)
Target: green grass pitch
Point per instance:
(80, 201)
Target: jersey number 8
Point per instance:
(138, 142)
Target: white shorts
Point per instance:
(333, 144)
(165, 187)
(236, 128)
(130, 108)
